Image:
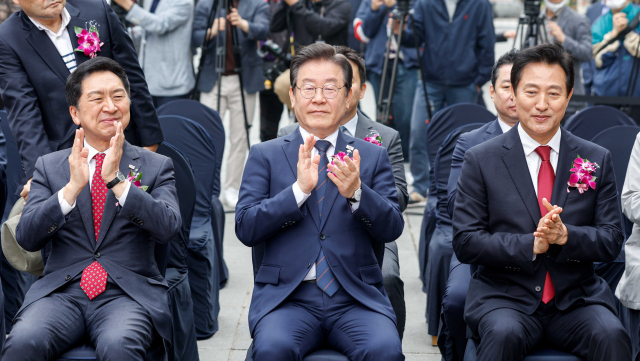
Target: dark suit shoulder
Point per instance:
(489, 147)
(8, 26)
(287, 129)
(383, 130)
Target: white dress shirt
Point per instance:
(533, 159)
(302, 197)
(61, 40)
(504, 126)
(352, 125)
(65, 207)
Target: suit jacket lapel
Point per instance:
(494, 128)
(83, 202)
(516, 163)
(39, 40)
(291, 147)
(76, 20)
(332, 191)
(362, 129)
(129, 156)
(563, 169)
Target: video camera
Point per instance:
(532, 8)
(281, 61)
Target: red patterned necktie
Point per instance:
(94, 277)
(546, 177)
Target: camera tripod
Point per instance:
(217, 8)
(532, 22)
(402, 12)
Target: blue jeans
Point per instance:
(405, 87)
(439, 96)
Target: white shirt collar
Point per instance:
(529, 144)
(66, 18)
(352, 125)
(333, 138)
(504, 126)
(93, 151)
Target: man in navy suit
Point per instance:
(36, 57)
(454, 341)
(323, 224)
(101, 281)
(535, 280)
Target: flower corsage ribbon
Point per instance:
(582, 175)
(88, 40)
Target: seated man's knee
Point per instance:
(609, 336)
(23, 344)
(381, 347)
(505, 333)
(275, 347)
(454, 298)
(122, 345)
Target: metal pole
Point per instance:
(205, 48)
(394, 70)
(385, 67)
(424, 84)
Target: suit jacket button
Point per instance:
(67, 278)
(132, 217)
(309, 265)
(97, 254)
(322, 237)
(538, 289)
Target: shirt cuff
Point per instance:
(534, 257)
(123, 197)
(64, 205)
(301, 197)
(354, 206)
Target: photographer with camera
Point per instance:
(571, 30)
(375, 26)
(615, 49)
(308, 22)
(459, 40)
(250, 20)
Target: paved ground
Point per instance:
(233, 339)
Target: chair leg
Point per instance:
(434, 341)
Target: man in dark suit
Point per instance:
(36, 57)
(101, 280)
(357, 124)
(323, 223)
(535, 281)
(454, 331)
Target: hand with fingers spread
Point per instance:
(307, 165)
(78, 168)
(346, 175)
(236, 20)
(550, 227)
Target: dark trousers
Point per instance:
(118, 327)
(394, 285)
(309, 319)
(591, 332)
(270, 113)
(453, 301)
(160, 101)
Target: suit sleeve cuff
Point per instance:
(64, 205)
(301, 197)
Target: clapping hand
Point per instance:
(550, 229)
(346, 176)
(78, 168)
(307, 166)
(111, 163)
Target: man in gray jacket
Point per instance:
(164, 30)
(358, 125)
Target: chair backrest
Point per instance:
(186, 188)
(196, 145)
(15, 173)
(619, 141)
(443, 168)
(447, 120)
(587, 123)
(209, 119)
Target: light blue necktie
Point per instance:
(325, 279)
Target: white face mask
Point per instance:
(554, 8)
(615, 4)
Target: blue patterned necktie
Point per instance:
(325, 279)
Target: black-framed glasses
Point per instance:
(329, 91)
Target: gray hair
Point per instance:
(320, 52)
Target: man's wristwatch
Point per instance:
(117, 180)
(356, 196)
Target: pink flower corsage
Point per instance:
(582, 175)
(88, 40)
(338, 157)
(375, 139)
(135, 180)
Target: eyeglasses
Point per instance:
(329, 91)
